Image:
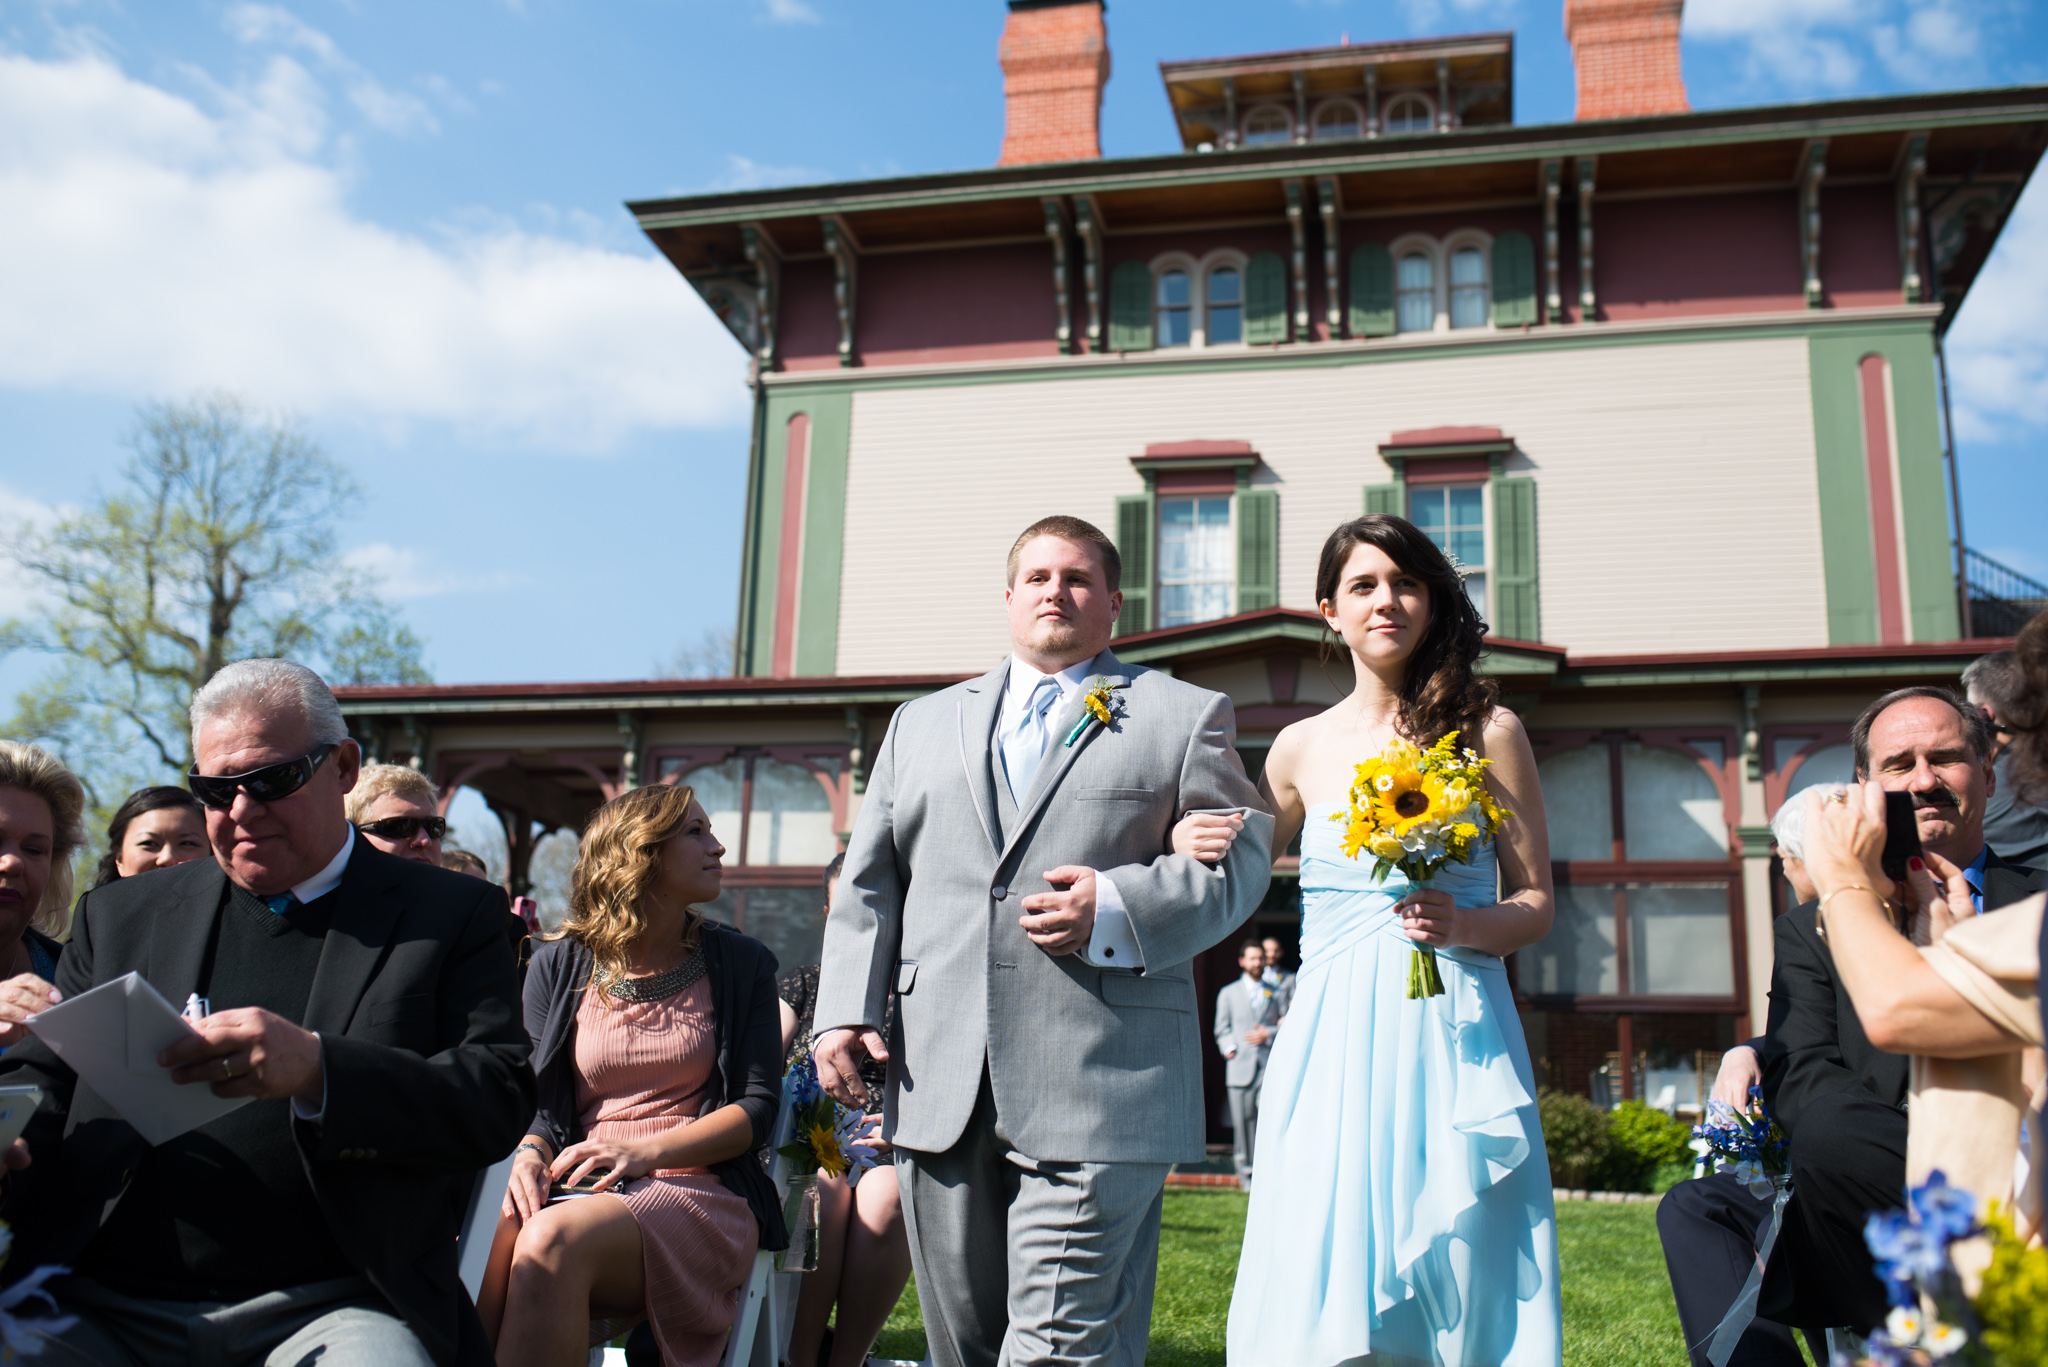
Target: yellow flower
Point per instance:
(824, 1142)
(1096, 700)
(1411, 799)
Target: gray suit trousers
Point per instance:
(1027, 1263)
(1244, 1122)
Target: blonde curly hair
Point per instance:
(34, 770)
(619, 860)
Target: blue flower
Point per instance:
(1905, 1252)
(1949, 1211)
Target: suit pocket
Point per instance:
(906, 976)
(1156, 994)
(1112, 794)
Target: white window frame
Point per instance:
(1357, 115)
(1244, 125)
(1159, 501)
(1411, 244)
(1386, 112)
(1198, 293)
(1484, 484)
(1455, 242)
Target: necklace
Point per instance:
(654, 988)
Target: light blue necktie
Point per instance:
(281, 903)
(1025, 744)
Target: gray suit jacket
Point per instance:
(1087, 1064)
(1235, 1014)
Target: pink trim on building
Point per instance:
(790, 559)
(1884, 527)
(1448, 470)
(1443, 436)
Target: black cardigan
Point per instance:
(746, 1029)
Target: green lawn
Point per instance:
(1617, 1303)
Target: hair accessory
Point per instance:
(661, 985)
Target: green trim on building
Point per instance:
(817, 618)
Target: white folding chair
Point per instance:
(768, 1301)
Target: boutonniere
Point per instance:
(1100, 703)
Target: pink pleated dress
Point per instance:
(644, 1067)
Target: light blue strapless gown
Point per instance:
(1400, 1207)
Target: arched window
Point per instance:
(1409, 114)
(790, 818)
(1225, 298)
(1173, 304)
(1830, 764)
(1415, 293)
(1670, 808)
(719, 788)
(1267, 124)
(1468, 288)
(1337, 119)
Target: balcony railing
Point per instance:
(2001, 599)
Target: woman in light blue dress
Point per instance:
(1400, 1209)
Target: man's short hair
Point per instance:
(380, 780)
(266, 686)
(1249, 945)
(1976, 729)
(1081, 534)
(1996, 681)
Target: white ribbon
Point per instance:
(1741, 1314)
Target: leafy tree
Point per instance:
(217, 544)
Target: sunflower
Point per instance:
(1411, 798)
(824, 1142)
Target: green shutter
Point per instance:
(1265, 299)
(1134, 547)
(1372, 291)
(1130, 307)
(1258, 549)
(1391, 499)
(1514, 280)
(1514, 560)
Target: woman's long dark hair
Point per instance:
(1440, 693)
(141, 800)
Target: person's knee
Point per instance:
(545, 1247)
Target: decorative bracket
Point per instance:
(1588, 301)
(1752, 733)
(1814, 167)
(1088, 223)
(1372, 101)
(1912, 170)
(1553, 285)
(857, 753)
(1300, 106)
(767, 264)
(1298, 230)
(1333, 302)
(1230, 111)
(1443, 94)
(629, 758)
(841, 246)
(1056, 229)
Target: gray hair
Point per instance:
(1995, 681)
(1788, 827)
(266, 686)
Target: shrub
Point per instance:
(1641, 1142)
(1574, 1134)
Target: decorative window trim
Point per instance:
(1245, 123)
(837, 783)
(1177, 261)
(1198, 293)
(1411, 244)
(1454, 242)
(1388, 102)
(1182, 469)
(1358, 115)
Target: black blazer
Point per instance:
(746, 1032)
(416, 1002)
(1815, 1044)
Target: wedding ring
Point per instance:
(227, 1071)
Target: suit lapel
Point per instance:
(978, 709)
(2006, 883)
(180, 935)
(1061, 756)
(365, 913)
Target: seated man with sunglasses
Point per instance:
(370, 1007)
(395, 807)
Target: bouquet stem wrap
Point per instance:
(1423, 978)
(1742, 1314)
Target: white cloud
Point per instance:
(153, 246)
(403, 573)
(744, 173)
(1828, 45)
(791, 12)
(389, 110)
(1433, 14)
(1997, 352)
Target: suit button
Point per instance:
(999, 892)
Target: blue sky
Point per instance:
(403, 223)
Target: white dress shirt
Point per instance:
(1112, 921)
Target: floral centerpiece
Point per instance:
(1416, 810)
(824, 1137)
(1936, 1315)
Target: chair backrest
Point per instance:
(480, 1225)
(760, 1334)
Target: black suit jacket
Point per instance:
(416, 1001)
(1815, 1044)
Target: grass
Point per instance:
(1617, 1302)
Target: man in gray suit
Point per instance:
(1247, 1012)
(1010, 876)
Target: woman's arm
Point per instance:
(1905, 1006)
(1278, 786)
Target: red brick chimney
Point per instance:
(1626, 52)
(1055, 56)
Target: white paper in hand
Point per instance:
(111, 1036)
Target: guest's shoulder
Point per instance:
(743, 951)
(1798, 928)
(427, 888)
(1157, 688)
(144, 893)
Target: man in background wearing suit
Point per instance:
(1009, 875)
(1276, 977)
(1246, 1013)
(369, 1004)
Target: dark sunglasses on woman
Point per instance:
(405, 827)
(268, 784)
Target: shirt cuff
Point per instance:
(310, 1114)
(1113, 943)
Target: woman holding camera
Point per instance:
(637, 1193)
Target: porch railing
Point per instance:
(2001, 599)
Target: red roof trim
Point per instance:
(1444, 436)
(1198, 450)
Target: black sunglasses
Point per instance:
(268, 784)
(406, 827)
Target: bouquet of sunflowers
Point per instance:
(1416, 810)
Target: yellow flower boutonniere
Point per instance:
(1099, 702)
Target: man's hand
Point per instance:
(250, 1052)
(23, 996)
(1257, 1035)
(839, 1054)
(1740, 1071)
(1060, 922)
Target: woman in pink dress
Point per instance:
(657, 1043)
